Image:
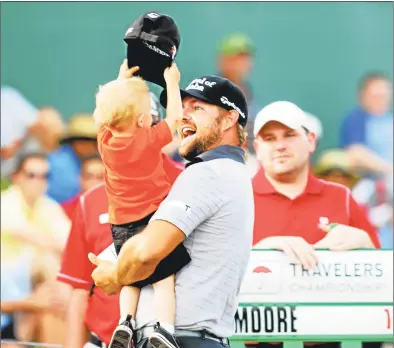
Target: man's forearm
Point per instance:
(362, 157)
(132, 265)
(37, 240)
(17, 306)
(75, 319)
(141, 254)
(268, 243)
(368, 243)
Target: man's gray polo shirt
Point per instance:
(212, 203)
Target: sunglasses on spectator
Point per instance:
(34, 175)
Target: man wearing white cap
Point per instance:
(294, 211)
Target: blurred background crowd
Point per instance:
(332, 59)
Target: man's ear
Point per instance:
(140, 119)
(230, 119)
(312, 139)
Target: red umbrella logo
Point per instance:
(262, 269)
(260, 280)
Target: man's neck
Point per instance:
(292, 185)
(30, 202)
(227, 139)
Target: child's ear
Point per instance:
(140, 120)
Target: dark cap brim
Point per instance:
(184, 94)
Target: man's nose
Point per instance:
(280, 145)
(185, 116)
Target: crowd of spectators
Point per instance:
(47, 164)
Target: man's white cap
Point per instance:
(283, 112)
(314, 125)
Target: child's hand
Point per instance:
(125, 72)
(172, 74)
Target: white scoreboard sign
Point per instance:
(314, 320)
(360, 276)
(347, 294)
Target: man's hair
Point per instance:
(118, 102)
(242, 134)
(371, 77)
(22, 159)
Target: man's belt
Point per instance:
(93, 339)
(203, 334)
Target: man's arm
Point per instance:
(34, 237)
(352, 140)
(296, 248)
(359, 234)
(141, 254)
(25, 305)
(363, 158)
(194, 198)
(75, 319)
(43, 299)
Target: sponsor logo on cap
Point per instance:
(129, 30)
(225, 101)
(153, 15)
(156, 49)
(200, 84)
(173, 52)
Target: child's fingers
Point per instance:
(133, 70)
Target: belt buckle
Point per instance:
(221, 340)
(225, 341)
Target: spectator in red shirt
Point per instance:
(92, 313)
(92, 174)
(295, 211)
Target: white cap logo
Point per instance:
(200, 84)
(153, 15)
(173, 52)
(225, 100)
(129, 31)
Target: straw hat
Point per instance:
(335, 160)
(80, 127)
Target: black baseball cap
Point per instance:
(218, 91)
(152, 44)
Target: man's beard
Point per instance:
(201, 143)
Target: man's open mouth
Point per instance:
(187, 132)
